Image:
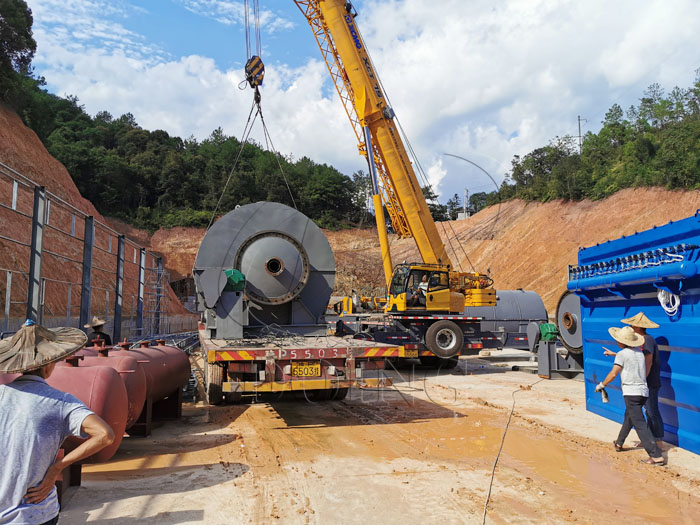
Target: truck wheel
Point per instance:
(340, 393)
(444, 338)
(233, 397)
(214, 379)
(319, 395)
(436, 362)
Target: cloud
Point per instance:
(233, 13)
(481, 80)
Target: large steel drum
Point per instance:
(288, 266)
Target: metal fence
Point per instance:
(62, 266)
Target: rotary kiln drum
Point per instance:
(288, 266)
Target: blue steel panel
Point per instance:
(678, 336)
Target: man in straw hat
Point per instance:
(630, 364)
(639, 324)
(35, 419)
(97, 325)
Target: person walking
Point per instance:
(630, 365)
(640, 323)
(97, 326)
(35, 419)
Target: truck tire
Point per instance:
(339, 394)
(214, 380)
(436, 362)
(444, 338)
(232, 398)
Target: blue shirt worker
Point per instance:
(35, 419)
(630, 365)
(640, 323)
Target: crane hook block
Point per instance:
(254, 71)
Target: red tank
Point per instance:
(132, 374)
(167, 366)
(101, 388)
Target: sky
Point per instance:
(474, 78)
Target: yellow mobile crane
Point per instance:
(432, 287)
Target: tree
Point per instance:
(437, 211)
(17, 46)
(454, 206)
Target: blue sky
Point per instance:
(481, 80)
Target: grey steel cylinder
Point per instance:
(286, 259)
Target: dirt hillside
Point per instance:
(22, 152)
(525, 245)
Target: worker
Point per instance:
(416, 294)
(639, 324)
(97, 325)
(631, 366)
(35, 419)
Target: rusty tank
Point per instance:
(102, 390)
(131, 373)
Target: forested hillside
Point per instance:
(655, 143)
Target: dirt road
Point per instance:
(421, 452)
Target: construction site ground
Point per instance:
(419, 452)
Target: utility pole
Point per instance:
(580, 137)
(466, 200)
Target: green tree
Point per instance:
(454, 206)
(17, 46)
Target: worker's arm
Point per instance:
(647, 361)
(609, 352)
(100, 435)
(611, 376)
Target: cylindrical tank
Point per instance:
(102, 390)
(514, 310)
(131, 373)
(166, 368)
(287, 262)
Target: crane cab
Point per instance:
(423, 287)
(434, 288)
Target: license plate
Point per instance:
(410, 353)
(306, 368)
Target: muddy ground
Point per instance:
(421, 452)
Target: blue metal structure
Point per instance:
(656, 271)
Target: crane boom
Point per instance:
(343, 49)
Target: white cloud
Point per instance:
(233, 13)
(482, 80)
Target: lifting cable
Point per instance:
(422, 174)
(244, 137)
(255, 73)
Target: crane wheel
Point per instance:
(444, 338)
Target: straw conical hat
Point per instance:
(34, 346)
(96, 321)
(627, 336)
(640, 320)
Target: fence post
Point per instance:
(159, 294)
(118, 291)
(86, 291)
(34, 278)
(142, 286)
(8, 300)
